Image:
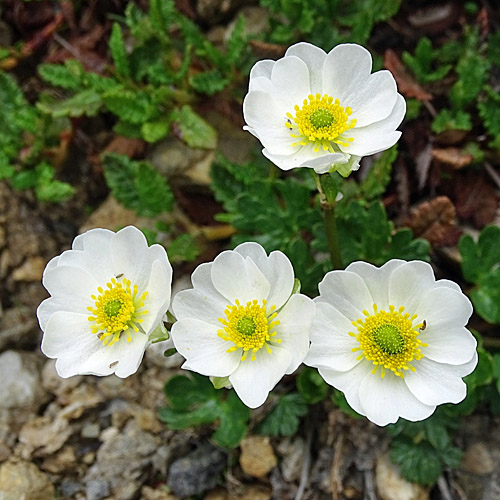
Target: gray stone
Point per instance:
(20, 376)
(69, 487)
(123, 460)
(97, 489)
(196, 472)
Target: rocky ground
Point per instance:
(99, 438)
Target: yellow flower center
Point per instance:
(116, 310)
(389, 339)
(249, 327)
(321, 120)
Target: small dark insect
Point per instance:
(424, 326)
(113, 364)
(118, 276)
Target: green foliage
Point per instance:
(422, 62)
(184, 248)
(193, 401)
(424, 449)
(489, 111)
(326, 23)
(379, 175)
(284, 418)
(138, 185)
(118, 51)
(195, 131)
(311, 385)
(367, 234)
(448, 119)
(481, 265)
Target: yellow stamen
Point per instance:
(116, 310)
(321, 120)
(388, 339)
(249, 327)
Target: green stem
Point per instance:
(328, 193)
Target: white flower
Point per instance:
(323, 111)
(393, 339)
(107, 295)
(241, 321)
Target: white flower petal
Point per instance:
(286, 69)
(96, 246)
(455, 346)
(305, 156)
(378, 136)
(385, 400)
(331, 344)
(67, 336)
(71, 282)
(261, 69)
(253, 380)
(128, 249)
(347, 292)
(443, 308)
(58, 303)
(376, 279)
(203, 302)
(237, 278)
(348, 382)
(409, 283)
(435, 383)
(122, 358)
(314, 58)
(204, 350)
(158, 298)
(346, 66)
(277, 269)
(293, 330)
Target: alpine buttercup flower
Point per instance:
(108, 294)
(241, 321)
(393, 339)
(323, 111)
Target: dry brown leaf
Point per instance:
(454, 157)
(475, 196)
(407, 85)
(434, 220)
(264, 49)
(126, 146)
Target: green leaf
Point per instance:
(483, 373)
(233, 423)
(437, 434)
(205, 413)
(154, 131)
(195, 131)
(184, 248)
(68, 75)
(478, 259)
(162, 14)
(379, 175)
(208, 82)
(184, 392)
(419, 463)
(489, 111)
(130, 106)
(473, 73)
(340, 400)
(84, 103)
(138, 185)
(220, 382)
(311, 385)
(284, 418)
(118, 51)
(447, 119)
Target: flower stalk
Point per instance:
(328, 192)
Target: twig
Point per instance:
(70, 48)
(493, 173)
(443, 488)
(306, 463)
(369, 486)
(336, 480)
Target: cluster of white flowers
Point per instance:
(393, 339)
